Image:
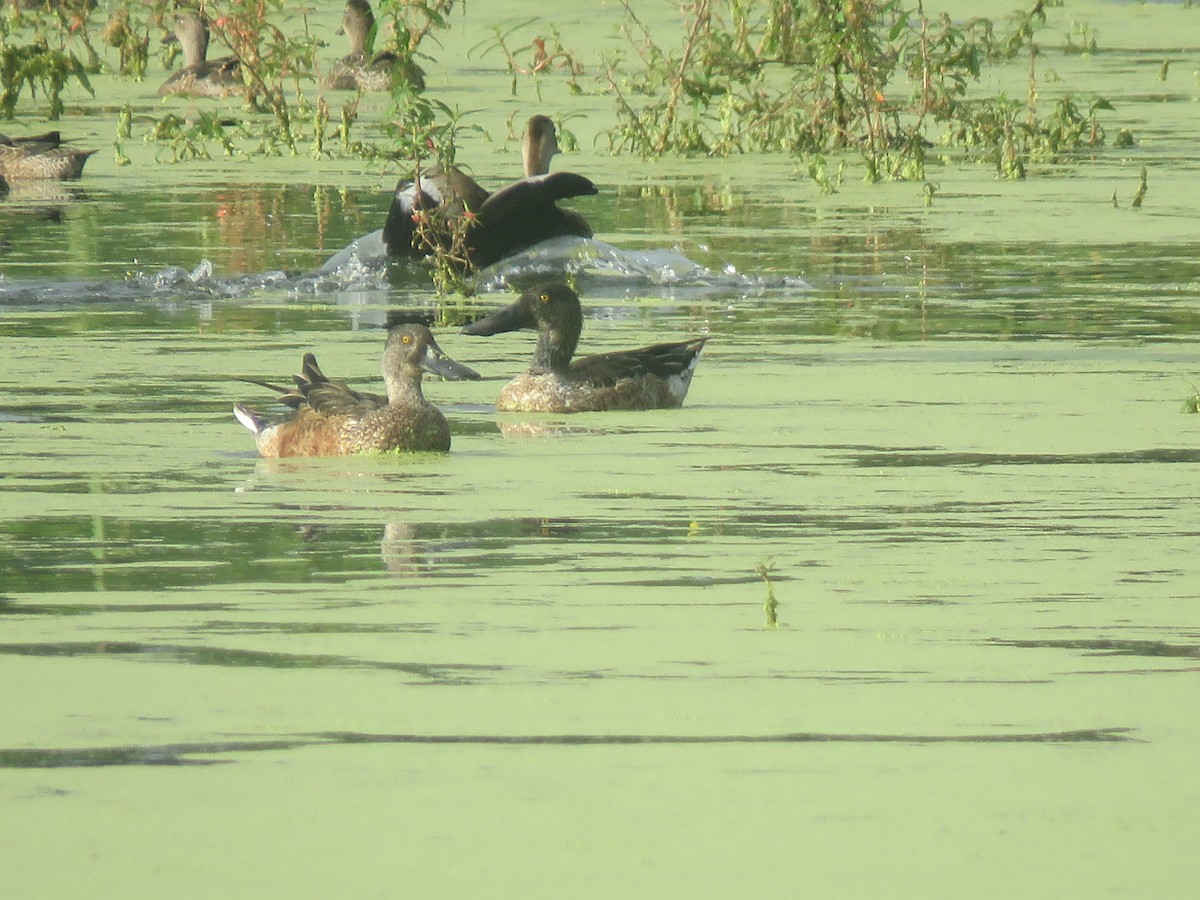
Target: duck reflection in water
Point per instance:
(329, 418)
(654, 377)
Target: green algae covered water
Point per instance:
(951, 436)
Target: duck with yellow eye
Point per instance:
(330, 419)
(656, 377)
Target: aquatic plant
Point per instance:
(124, 132)
(425, 132)
(1140, 194)
(817, 169)
(413, 22)
(129, 35)
(279, 67)
(1192, 403)
(270, 59)
(29, 61)
(534, 58)
(770, 605)
(814, 78)
(183, 139)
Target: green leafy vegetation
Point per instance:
(770, 605)
(878, 76)
(885, 79)
(1140, 194)
(536, 57)
(1192, 403)
(284, 109)
(33, 63)
(129, 35)
(426, 132)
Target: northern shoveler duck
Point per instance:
(331, 419)
(654, 377)
(357, 70)
(200, 76)
(41, 156)
(512, 219)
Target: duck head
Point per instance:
(553, 310)
(411, 350)
(357, 22)
(191, 32)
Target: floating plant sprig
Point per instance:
(771, 604)
(1192, 403)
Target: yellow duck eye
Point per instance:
(407, 339)
(545, 298)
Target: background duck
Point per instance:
(357, 71)
(200, 76)
(655, 377)
(512, 219)
(40, 156)
(331, 419)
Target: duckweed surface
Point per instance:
(951, 434)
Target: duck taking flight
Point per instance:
(512, 219)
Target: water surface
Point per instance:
(952, 433)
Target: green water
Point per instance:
(540, 665)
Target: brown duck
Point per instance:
(358, 71)
(653, 377)
(330, 419)
(200, 76)
(41, 156)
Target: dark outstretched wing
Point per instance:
(525, 213)
(530, 197)
(517, 216)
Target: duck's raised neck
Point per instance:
(538, 146)
(556, 344)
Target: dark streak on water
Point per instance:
(901, 459)
(449, 673)
(181, 754)
(1109, 647)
